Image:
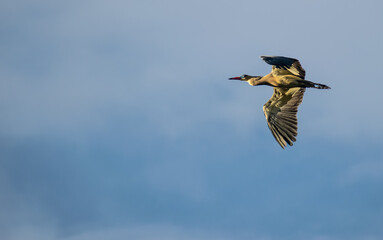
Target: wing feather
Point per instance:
(281, 114)
(284, 134)
(290, 131)
(277, 135)
(285, 66)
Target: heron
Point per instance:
(287, 77)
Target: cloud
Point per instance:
(70, 68)
(120, 111)
(146, 232)
(21, 216)
(155, 232)
(137, 232)
(366, 170)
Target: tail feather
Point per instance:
(309, 84)
(321, 86)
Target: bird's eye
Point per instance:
(243, 76)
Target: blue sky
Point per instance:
(118, 121)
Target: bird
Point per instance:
(287, 77)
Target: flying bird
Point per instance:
(288, 79)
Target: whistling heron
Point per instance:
(288, 79)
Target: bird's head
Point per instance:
(243, 77)
(252, 80)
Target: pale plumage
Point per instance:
(288, 79)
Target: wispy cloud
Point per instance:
(115, 112)
(366, 170)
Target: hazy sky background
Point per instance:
(118, 122)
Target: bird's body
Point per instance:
(288, 79)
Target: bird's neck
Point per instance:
(256, 80)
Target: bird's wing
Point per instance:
(285, 66)
(281, 114)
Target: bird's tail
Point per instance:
(310, 84)
(320, 86)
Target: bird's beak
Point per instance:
(235, 78)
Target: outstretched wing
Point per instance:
(285, 66)
(281, 114)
